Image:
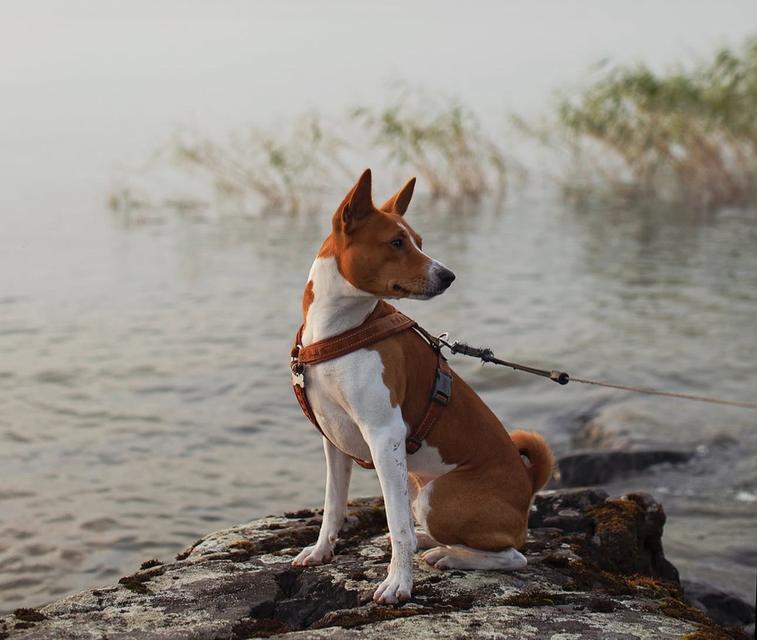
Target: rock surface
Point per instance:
(592, 467)
(725, 608)
(596, 570)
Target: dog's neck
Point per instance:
(331, 304)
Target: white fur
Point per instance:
(353, 407)
(427, 464)
(338, 472)
(434, 266)
(350, 390)
(337, 304)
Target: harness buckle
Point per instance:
(412, 445)
(442, 391)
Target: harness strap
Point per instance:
(440, 397)
(370, 332)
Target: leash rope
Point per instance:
(563, 378)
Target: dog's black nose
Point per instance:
(446, 276)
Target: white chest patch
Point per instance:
(350, 391)
(348, 395)
(337, 305)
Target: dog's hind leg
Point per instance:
(423, 539)
(338, 472)
(476, 528)
(462, 557)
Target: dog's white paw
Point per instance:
(396, 588)
(313, 555)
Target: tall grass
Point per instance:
(282, 169)
(683, 137)
(290, 168)
(253, 172)
(439, 139)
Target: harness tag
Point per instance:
(298, 373)
(442, 391)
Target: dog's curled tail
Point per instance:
(541, 461)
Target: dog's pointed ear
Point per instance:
(358, 203)
(400, 201)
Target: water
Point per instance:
(144, 394)
(150, 403)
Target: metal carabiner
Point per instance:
(442, 338)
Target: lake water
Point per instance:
(144, 389)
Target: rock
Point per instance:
(593, 433)
(623, 534)
(565, 509)
(596, 570)
(592, 467)
(724, 608)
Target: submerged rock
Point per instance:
(725, 608)
(596, 570)
(593, 467)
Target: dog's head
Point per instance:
(378, 252)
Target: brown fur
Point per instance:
(307, 298)
(484, 502)
(539, 455)
(362, 239)
(400, 201)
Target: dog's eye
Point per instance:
(398, 243)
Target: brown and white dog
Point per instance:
(471, 484)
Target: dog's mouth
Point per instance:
(425, 294)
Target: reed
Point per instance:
(282, 172)
(248, 174)
(439, 139)
(681, 137)
(290, 168)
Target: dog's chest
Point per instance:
(346, 392)
(351, 400)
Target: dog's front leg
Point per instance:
(387, 445)
(338, 472)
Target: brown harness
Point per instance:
(373, 330)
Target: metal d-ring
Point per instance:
(442, 338)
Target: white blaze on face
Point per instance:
(434, 266)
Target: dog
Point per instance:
(470, 485)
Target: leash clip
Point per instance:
(560, 377)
